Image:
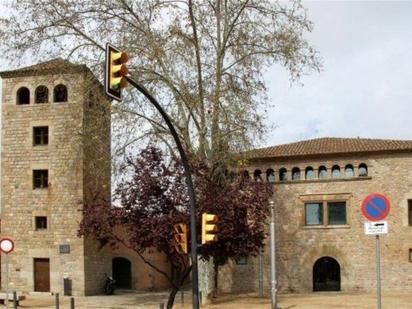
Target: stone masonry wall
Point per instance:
(60, 202)
(97, 176)
(78, 159)
(299, 246)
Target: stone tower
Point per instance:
(55, 154)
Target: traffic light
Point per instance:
(180, 233)
(115, 72)
(209, 228)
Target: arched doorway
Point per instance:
(122, 273)
(326, 275)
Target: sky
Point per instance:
(364, 88)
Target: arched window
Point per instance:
(60, 93)
(257, 175)
(283, 174)
(245, 174)
(232, 176)
(349, 170)
(309, 174)
(270, 175)
(41, 95)
(335, 171)
(92, 99)
(322, 172)
(363, 170)
(295, 173)
(23, 96)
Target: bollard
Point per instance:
(71, 302)
(57, 301)
(15, 300)
(161, 306)
(182, 297)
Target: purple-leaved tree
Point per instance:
(153, 198)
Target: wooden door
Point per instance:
(42, 275)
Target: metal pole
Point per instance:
(378, 272)
(7, 280)
(57, 301)
(272, 255)
(190, 190)
(260, 274)
(14, 299)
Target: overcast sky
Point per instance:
(365, 87)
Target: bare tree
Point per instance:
(203, 60)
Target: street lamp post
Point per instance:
(272, 256)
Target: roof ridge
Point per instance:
(330, 145)
(51, 66)
(339, 138)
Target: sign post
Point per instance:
(375, 207)
(7, 246)
(378, 272)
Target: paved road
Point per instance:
(137, 300)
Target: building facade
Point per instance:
(319, 186)
(55, 156)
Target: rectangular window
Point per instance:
(336, 213)
(40, 136)
(410, 255)
(64, 249)
(313, 214)
(410, 212)
(41, 223)
(40, 179)
(326, 210)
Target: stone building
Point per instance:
(319, 186)
(55, 141)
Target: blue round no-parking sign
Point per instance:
(376, 207)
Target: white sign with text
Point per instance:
(376, 228)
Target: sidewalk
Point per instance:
(137, 300)
(325, 300)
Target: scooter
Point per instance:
(109, 285)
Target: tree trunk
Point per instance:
(171, 299)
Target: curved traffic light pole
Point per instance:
(190, 189)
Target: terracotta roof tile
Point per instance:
(54, 66)
(329, 146)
